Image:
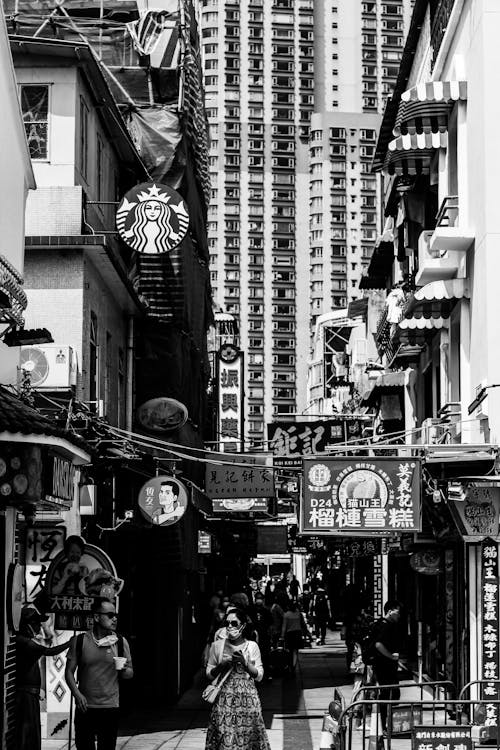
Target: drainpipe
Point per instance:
(130, 375)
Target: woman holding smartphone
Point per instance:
(236, 718)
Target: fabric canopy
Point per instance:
(421, 323)
(437, 290)
(417, 141)
(425, 107)
(434, 300)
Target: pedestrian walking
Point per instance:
(320, 610)
(293, 630)
(236, 716)
(263, 623)
(102, 658)
(29, 649)
(294, 588)
(386, 639)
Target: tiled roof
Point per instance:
(17, 417)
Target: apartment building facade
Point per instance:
(258, 59)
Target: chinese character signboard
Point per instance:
(230, 406)
(447, 737)
(163, 500)
(204, 543)
(152, 218)
(490, 629)
(76, 576)
(43, 544)
(353, 497)
(241, 505)
(477, 513)
(232, 480)
(289, 441)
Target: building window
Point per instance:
(35, 108)
(84, 137)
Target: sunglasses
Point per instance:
(233, 624)
(111, 615)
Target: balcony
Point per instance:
(449, 235)
(433, 266)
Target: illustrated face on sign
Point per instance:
(167, 497)
(153, 210)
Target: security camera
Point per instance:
(129, 514)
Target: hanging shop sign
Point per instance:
(477, 512)
(445, 737)
(20, 474)
(76, 576)
(162, 414)
(43, 545)
(59, 481)
(357, 497)
(241, 505)
(490, 653)
(152, 218)
(204, 543)
(163, 500)
(290, 441)
(230, 422)
(426, 561)
(238, 481)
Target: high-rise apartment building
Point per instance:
(294, 210)
(357, 48)
(258, 57)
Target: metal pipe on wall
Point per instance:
(129, 398)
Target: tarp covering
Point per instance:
(157, 137)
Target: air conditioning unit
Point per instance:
(50, 366)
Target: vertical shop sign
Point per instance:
(230, 405)
(378, 609)
(490, 672)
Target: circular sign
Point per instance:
(16, 594)
(427, 562)
(152, 218)
(229, 353)
(319, 475)
(162, 414)
(363, 484)
(82, 568)
(163, 500)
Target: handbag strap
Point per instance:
(219, 682)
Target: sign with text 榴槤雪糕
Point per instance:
(490, 652)
(360, 496)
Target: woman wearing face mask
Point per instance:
(236, 718)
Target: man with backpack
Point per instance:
(102, 658)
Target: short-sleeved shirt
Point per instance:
(97, 676)
(387, 633)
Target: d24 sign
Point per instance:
(355, 497)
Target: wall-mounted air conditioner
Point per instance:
(50, 366)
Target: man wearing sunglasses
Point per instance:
(102, 658)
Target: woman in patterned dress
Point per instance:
(236, 721)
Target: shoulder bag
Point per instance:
(211, 692)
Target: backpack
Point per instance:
(368, 641)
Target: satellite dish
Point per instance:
(162, 414)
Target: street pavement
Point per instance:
(293, 708)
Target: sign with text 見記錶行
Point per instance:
(358, 496)
(233, 481)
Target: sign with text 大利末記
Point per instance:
(231, 480)
(358, 496)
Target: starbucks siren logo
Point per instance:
(152, 218)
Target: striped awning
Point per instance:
(438, 290)
(425, 107)
(421, 324)
(411, 162)
(419, 141)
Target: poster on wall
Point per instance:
(355, 497)
(77, 575)
(163, 500)
(152, 218)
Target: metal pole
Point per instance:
(70, 728)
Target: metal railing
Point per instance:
(439, 26)
(447, 216)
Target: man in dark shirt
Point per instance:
(386, 637)
(28, 678)
(263, 622)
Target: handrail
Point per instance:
(468, 685)
(446, 205)
(401, 685)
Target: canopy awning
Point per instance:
(425, 107)
(385, 384)
(410, 162)
(419, 141)
(420, 323)
(434, 300)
